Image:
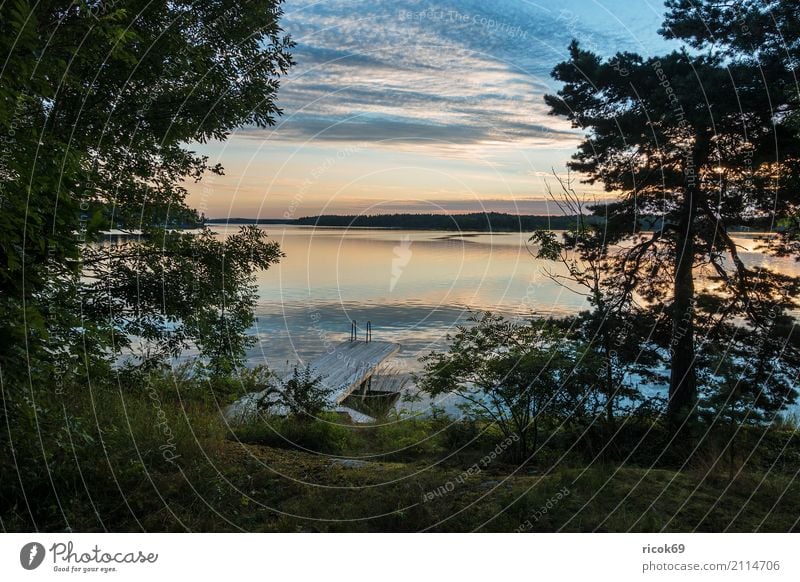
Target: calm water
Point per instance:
(414, 286)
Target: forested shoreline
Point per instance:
(475, 222)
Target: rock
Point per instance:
(352, 463)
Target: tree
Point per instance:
(763, 31)
(764, 37)
(695, 145)
(178, 290)
(99, 105)
(614, 331)
(98, 102)
(510, 374)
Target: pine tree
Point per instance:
(696, 145)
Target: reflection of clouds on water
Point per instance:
(333, 276)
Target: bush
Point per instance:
(190, 382)
(460, 434)
(324, 434)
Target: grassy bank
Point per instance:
(158, 457)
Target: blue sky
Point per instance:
(418, 106)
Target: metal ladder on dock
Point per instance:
(354, 332)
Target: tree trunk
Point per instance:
(609, 382)
(683, 383)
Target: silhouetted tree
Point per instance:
(614, 331)
(703, 143)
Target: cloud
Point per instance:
(398, 129)
(453, 71)
(444, 90)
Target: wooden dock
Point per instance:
(345, 368)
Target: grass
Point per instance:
(158, 457)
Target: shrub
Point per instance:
(325, 434)
(303, 394)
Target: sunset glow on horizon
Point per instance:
(402, 107)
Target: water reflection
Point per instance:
(414, 286)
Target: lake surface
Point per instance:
(415, 287)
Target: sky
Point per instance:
(419, 106)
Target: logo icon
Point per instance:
(31, 555)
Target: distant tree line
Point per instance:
(476, 221)
(473, 221)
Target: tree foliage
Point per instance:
(704, 142)
(515, 375)
(99, 102)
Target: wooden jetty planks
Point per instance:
(349, 365)
(343, 369)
